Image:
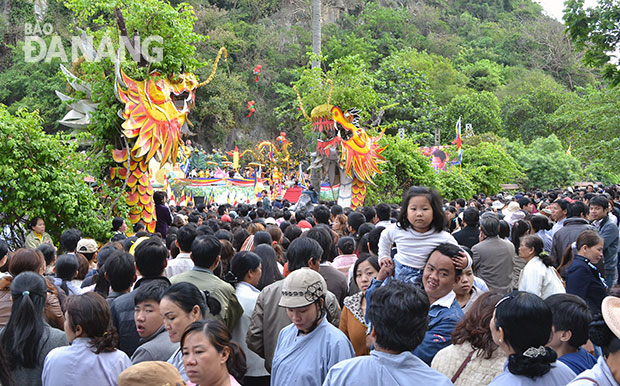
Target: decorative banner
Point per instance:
(438, 156)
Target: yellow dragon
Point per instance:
(155, 116)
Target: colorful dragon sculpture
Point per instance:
(345, 154)
(155, 116)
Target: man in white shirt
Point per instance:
(183, 262)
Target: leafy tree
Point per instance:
(488, 165)
(547, 165)
(481, 109)
(41, 176)
(595, 30)
(405, 167)
(484, 75)
(455, 184)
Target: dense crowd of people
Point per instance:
(498, 290)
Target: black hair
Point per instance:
(301, 250)
(69, 239)
(577, 209)
(118, 237)
(526, 321)
(185, 237)
(48, 251)
(599, 200)
(324, 238)
(120, 268)
(434, 199)
(66, 268)
(220, 338)
(151, 255)
(383, 212)
(117, 222)
(373, 239)
(239, 238)
(33, 222)
(194, 217)
(271, 272)
(504, 229)
(242, 263)
(102, 286)
(4, 248)
(519, 229)
(336, 210)
(187, 295)
(570, 313)
(21, 337)
(355, 220)
(365, 228)
(602, 336)
(540, 222)
(262, 237)
(562, 203)
(158, 197)
(524, 201)
(399, 315)
(534, 241)
(347, 245)
(223, 234)
(369, 212)
(152, 290)
(92, 312)
(371, 259)
(205, 250)
(137, 227)
(450, 250)
(471, 216)
(292, 232)
(461, 202)
(321, 214)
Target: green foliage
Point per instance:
(406, 167)
(481, 109)
(546, 164)
(596, 30)
(42, 176)
(455, 184)
(484, 75)
(488, 165)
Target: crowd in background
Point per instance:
(506, 289)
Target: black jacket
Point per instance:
(468, 236)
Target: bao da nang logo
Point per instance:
(42, 44)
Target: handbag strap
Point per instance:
(463, 365)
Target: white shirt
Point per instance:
(413, 247)
(182, 263)
(247, 295)
(539, 279)
(79, 365)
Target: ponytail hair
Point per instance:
(242, 263)
(187, 295)
(92, 312)
(24, 330)
(526, 321)
(535, 242)
(220, 338)
(602, 336)
(588, 238)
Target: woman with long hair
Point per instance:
(353, 317)
(210, 357)
(183, 304)
(521, 327)
(472, 358)
(32, 260)
(245, 274)
(538, 276)
(270, 268)
(27, 339)
(93, 357)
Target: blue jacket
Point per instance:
(441, 323)
(584, 280)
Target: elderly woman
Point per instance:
(37, 234)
